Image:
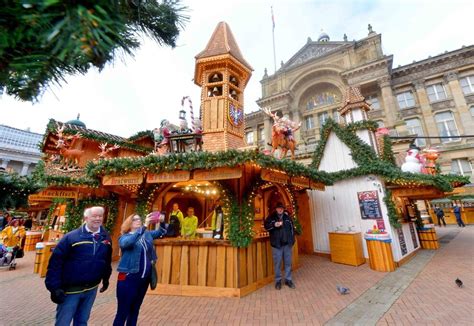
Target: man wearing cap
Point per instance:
(282, 237)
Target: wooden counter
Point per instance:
(213, 268)
(346, 248)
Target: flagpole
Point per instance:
(273, 35)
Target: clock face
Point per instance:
(236, 115)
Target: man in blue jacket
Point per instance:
(80, 261)
(282, 238)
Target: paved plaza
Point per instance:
(422, 292)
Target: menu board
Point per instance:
(369, 205)
(401, 239)
(413, 235)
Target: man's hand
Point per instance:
(278, 224)
(58, 296)
(105, 286)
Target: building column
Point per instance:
(4, 163)
(389, 103)
(24, 169)
(267, 130)
(464, 119)
(428, 116)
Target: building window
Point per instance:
(414, 128)
(249, 137)
(380, 123)
(261, 134)
(373, 101)
(405, 100)
(336, 116)
(461, 166)
(308, 122)
(447, 126)
(467, 84)
(323, 116)
(471, 109)
(436, 92)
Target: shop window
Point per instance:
(373, 101)
(249, 137)
(405, 100)
(447, 126)
(436, 92)
(467, 84)
(308, 122)
(414, 127)
(461, 166)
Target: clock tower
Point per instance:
(222, 73)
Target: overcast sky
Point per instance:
(137, 93)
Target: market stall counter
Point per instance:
(213, 268)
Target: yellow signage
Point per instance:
(300, 182)
(274, 176)
(176, 176)
(33, 198)
(57, 193)
(122, 180)
(217, 174)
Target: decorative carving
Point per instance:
(441, 105)
(283, 134)
(450, 76)
(409, 112)
(311, 52)
(419, 84)
(375, 114)
(469, 98)
(385, 81)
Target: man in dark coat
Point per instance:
(282, 238)
(440, 215)
(80, 261)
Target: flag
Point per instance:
(273, 18)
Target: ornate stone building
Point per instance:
(432, 97)
(19, 151)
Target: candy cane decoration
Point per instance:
(191, 112)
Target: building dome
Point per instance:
(77, 122)
(323, 37)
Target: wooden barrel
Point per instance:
(380, 255)
(32, 238)
(39, 254)
(428, 239)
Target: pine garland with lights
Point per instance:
(141, 134)
(15, 189)
(392, 211)
(387, 151)
(75, 213)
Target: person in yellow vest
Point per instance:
(13, 234)
(189, 225)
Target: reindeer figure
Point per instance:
(104, 151)
(282, 134)
(69, 155)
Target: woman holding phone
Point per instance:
(138, 255)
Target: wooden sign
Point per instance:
(217, 174)
(33, 198)
(123, 180)
(300, 182)
(274, 176)
(316, 185)
(175, 176)
(369, 205)
(54, 193)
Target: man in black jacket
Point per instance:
(282, 238)
(80, 261)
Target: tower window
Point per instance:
(215, 77)
(233, 80)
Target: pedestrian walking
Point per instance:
(440, 215)
(80, 261)
(282, 238)
(135, 267)
(457, 213)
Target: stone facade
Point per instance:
(19, 151)
(432, 97)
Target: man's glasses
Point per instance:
(136, 219)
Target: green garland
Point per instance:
(15, 189)
(201, 160)
(387, 151)
(75, 213)
(392, 211)
(52, 125)
(140, 134)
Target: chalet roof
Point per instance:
(352, 98)
(223, 42)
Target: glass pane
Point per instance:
(471, 109)
(453, 131)
(444, 116)
(463, 82)
(430, 90)
(432, 97)
(455, 167)
(380, 123)
(465, 166)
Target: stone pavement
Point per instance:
(431, 298)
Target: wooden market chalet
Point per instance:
(352, 166)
